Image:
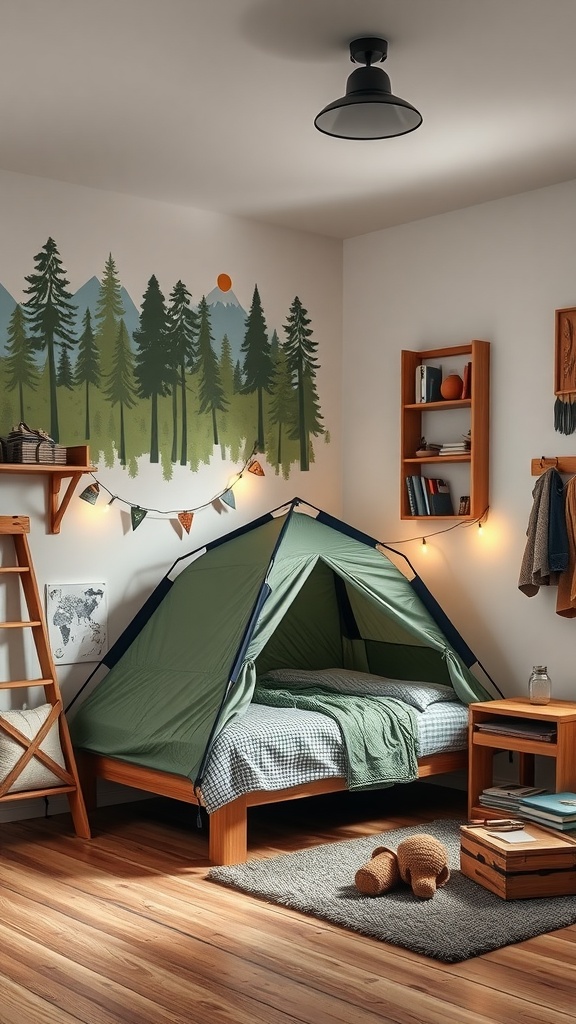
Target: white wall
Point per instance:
(496, 271)
(173, 243)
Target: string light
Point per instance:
(436, 533)
(185, 516)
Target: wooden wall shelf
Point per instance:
(77, 463)
(477, 409)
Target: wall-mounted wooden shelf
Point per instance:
(77, 463)
(477, 410)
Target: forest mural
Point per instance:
(173, 379)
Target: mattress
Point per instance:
(276, 748)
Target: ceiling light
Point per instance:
(368, 110)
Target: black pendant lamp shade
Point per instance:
(369, 110)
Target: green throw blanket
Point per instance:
(380, 734)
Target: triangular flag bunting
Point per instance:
(185, 520)
(137, 514)
(256, 468)
(228, 498)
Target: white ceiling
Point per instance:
(210, 103)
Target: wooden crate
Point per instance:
(516, 871)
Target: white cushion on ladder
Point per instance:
(35, 775)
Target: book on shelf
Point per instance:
(428, 381)
(418, 495)
(558, 805)
(424, 489)
(527, 727)
(411, 496)
(440, 498)
(429, 496)
(466, 381)
(464, 505)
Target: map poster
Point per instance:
(77, 619)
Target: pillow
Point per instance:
(342, 680)
(35, 775)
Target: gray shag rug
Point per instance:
(462, 919)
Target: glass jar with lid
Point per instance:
(539, 685)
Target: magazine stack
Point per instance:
(508, 796)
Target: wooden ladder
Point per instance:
(17, 527)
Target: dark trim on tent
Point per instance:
(259, 603)
(442, 620)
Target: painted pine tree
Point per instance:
(21, 369)
(51, 316)
(211, 392)
(87, 369)
(282, 409)
(120, 384)
(300, 352)
(64, 372)
(182, 334)
(257, 367)
(109, 311)
(154, 371)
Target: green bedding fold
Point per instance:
(380, 734)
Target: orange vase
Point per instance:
(451, 387)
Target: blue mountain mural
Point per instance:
(227, 316)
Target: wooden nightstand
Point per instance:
(561, 714)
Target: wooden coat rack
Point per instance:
(563, 463)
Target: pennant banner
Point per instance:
(256, 468)
(185, 520)
(137, 514)
(229, 499)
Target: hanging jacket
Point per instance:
(566, 599)
(546, 551)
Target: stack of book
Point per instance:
(456, 447)
(553, 810)
(428, 496)
(508, 796)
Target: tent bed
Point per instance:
(255, 756)
(294, 591)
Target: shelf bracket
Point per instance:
(57, 509)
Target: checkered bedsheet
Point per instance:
(275, 748)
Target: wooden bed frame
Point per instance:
(228, 836)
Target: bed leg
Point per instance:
(228, 842)
(87, 778)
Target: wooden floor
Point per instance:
(124, 929)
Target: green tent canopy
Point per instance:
(294, 589)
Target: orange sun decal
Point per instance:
(224, 282)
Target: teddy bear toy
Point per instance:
(423, 864)
(379, 874)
